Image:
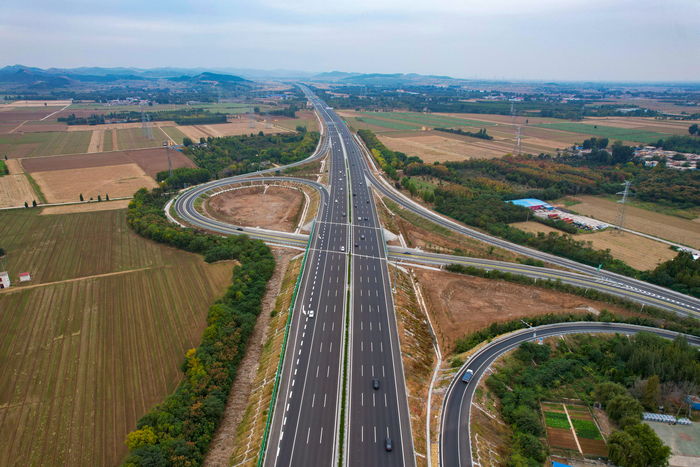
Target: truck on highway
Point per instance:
(468, 376)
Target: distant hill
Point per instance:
(379, 79)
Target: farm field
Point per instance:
(15, 190)
(174, 134)
(96, 339)
(117, 181)
(669, 228)
(235, 127)
(613, 133)
(150, 160)
(19, 114)
(132, 138)
(639, 252)
(304, 118)
(44, 144)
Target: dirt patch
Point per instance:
(275, 208)
(652, 223)
(118, 126)
(606, 426)
(561, 438)
(96, 141)
(595, 447)
(15, 190)
(460, 304)
(639, 252)
(116, 180)
(222, 445)
(14, 167)
(239, 126)
(86, 207)
(151, 161)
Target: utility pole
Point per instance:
(620, 219)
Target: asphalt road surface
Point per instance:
(455, 442)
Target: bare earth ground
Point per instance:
(86, 207)
(116, 180)
(118, 126)
(15, 190)
(273, 210)
(14, 104)
(238, 126)
(150, 160)
(639, 252)
(222, 445)
(666, 227)
(13, 166)
(96, 141)
(460, 304)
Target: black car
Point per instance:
(365, 218)
(375, 383)
(367, 201)
(356, 244)
(387, 444)
(238, 228)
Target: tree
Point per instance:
(692, 129)
(605, 392)
(26, 205)
(186, 141)
(81, 197)
(99, 198)
(625, 410)
(2, 252)
(34, 203)
(650, 399)
(623, 450)
(107, 197)
(621, 154)
(141, 437)
(202, 140)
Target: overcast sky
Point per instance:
(640, 40)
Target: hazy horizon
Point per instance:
(543, 40)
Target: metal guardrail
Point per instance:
(273, 399)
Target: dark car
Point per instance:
(375, 383)
(357, 244)
(238, 228)
(366, 218)
(387, 444)
(367, 201)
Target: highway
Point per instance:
(455, 442)
(347, 239)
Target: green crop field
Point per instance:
(429, 119)
(174, 133)
(556, 420)
(96, 338)
(106, 141)
(586, 429)
(612, 133)
(394, 125)
(132, 138)
(45, 144)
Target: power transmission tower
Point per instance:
(251, 121)
(620, 219)
(220, 100)
(267, 119)
(517, 149)
(170, 166)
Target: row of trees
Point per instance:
(480, 134)
(178, 431)
(390, 161)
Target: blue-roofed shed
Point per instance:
(532, 203)
(559, 464)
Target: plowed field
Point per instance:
(84, 356)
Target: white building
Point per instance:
(4, 280)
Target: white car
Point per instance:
(311, 313)
(342, 248)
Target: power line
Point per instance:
(620, 219)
